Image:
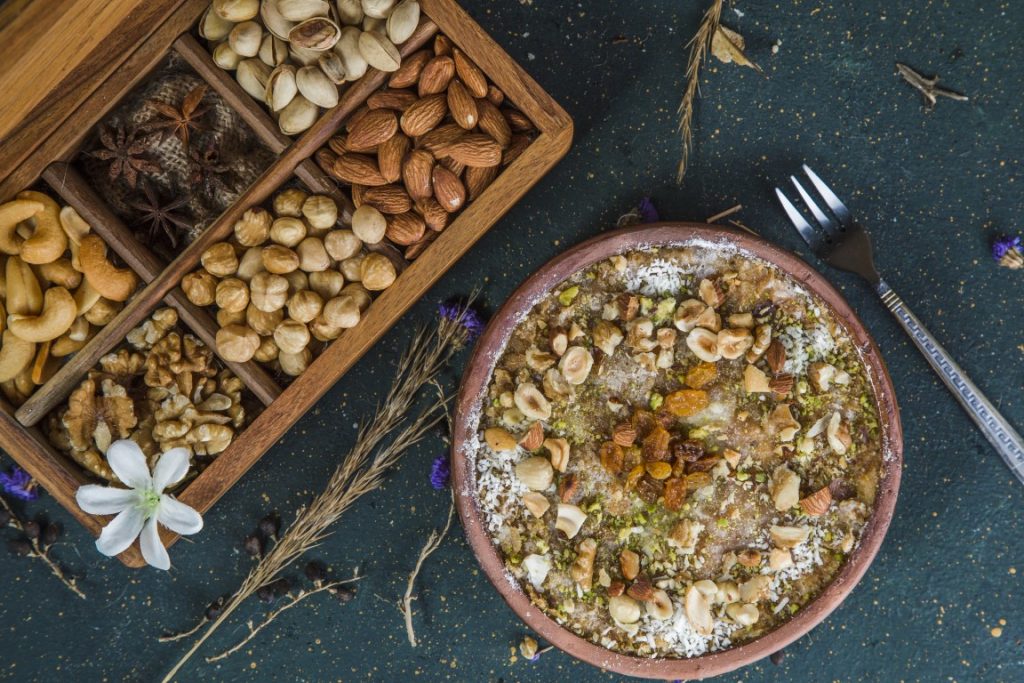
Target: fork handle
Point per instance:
(994, 426)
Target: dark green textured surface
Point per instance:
(932, 187)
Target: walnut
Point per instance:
(154, 329)
(95, 419)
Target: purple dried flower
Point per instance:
(466, 317)
(1007, 252)
(19, 483)
(440, 472)
(648, 213)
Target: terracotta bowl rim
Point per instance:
(477, 374)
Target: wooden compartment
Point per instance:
(283, 406)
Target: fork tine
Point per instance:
(812, 238)
(834, 203)
(823, 219)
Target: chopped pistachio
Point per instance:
(567, 295)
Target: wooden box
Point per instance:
(43, 146)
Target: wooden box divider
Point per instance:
(284, 406)
(75, 190)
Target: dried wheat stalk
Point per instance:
(699, 45)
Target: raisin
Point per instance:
(649, 489)
(656, 444)
(659, 470)
(686, 402)
(675, 493)
(688, 450)
(701, 375)
(643, 422)
(705, 464)
(697, 480)
(763, 311)
(612, 457)
(634, 476)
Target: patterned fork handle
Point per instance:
(994, 426)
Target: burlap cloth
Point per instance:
(223, 130)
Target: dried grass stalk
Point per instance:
(432, 544)
(699, 45)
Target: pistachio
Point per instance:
(348, 49)
(535, 473)
(532, 402)
(245, 38)
(252, 75)
(273, 51)
(698, 611)
(317, 33)
(378, 9)
(498, 439)
(742, 614)
(299, 115)
(403, 21)
(300, 10)
(624, 609)
(281, 88)
(575, 365)
(214, 27)
(559, 450)
(225, 57)
(537, 503)
(704, 345)
(379, 52)
(314, 85)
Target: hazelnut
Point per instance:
(607, 336)
(253, 228)
(269, 292)
(220, 260)
(660, 605)
(326, 283)
(225, 318)
(535, 472)
(294, 364)
(291, 336)
(232, 295)
(297, 281)
(267, 351)
(200, 287)
(287, 231)
(250, 264)
(324, 331)
(369, 224)
(698, 611)
(280, 260)
(237, 343)
(531, 402)
(686, 314)
(359, 293)
(704, 344)
(289, 202)
(312, 255)
(733, 343)
(352, 268)
(320, 211)
(624, 609)
(342, 244)
(576, 364)
(305, 305)
(342, 311)
(263, 322)
(377, 272)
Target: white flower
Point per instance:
(140, 506)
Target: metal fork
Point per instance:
(845, 245)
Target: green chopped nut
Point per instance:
(760, 477)
(742, 476)
(567, 295)
(666, 307)
(646, 304)
(656, 400)
(722, 523)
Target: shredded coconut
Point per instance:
(657, 277)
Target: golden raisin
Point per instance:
(675, 493)
(686, 402)
(612, 457)
(643, 421)
(656, 444)
(697, 480)
(659, 470)
(634, 476)
(700, 375)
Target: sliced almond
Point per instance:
(755, 381)
(533, 438)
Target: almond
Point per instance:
(443, 45)
(357, 168)
(495, 96)
(517, 120)
(339, 144)
(399, 100)
(475, 149)
(775, 356)
(567, 486)
(433, 213)
(493, 123)
(817, 503)
(436, 75)
(641, 589)
(448, 189)
(390, 155)
(372, 129)
(354, 117)
(462, 106)
(414, 250)
(515, 149)
(417, 174)
(781, 384)
(325, 159)
(424, 114)
(533, 438)
(437, 140)
(405, 228)
(470, 74)
(478, 178)
(357, 194)
(391, 199)
(409, 72)
(456, 167)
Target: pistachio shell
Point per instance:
(213, 26)
(403, 21)
(236, 10)
(303, 56)
(245, 38)
(274, 21)
(333, 67)
(281, 87)
(348, 49)
(379, 52)
(225, 57)
(316, 87)
(300, 10)
(378, 9)
(252, 75)
(350, 12)
(318, 34)
(299, 115)
(273, 50)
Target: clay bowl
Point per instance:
(474, 385)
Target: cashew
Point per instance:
(59, 311)
(86, 297)
(11, 214)
(103, 311)
(73, 340)
(107, 279)
(61, 272)
(24, 297)
(48, 240)
(75, 228)
(15, 355)
(44, 366)
(23, 382)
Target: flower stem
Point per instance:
(38, 551)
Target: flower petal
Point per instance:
(104, 500)
(121, 531)
(129, 464)
(153, 551)
(177, 516)
(170, 468)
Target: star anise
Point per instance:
(207, 169)
(124, 150)
(158, 216)
(180, 121)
